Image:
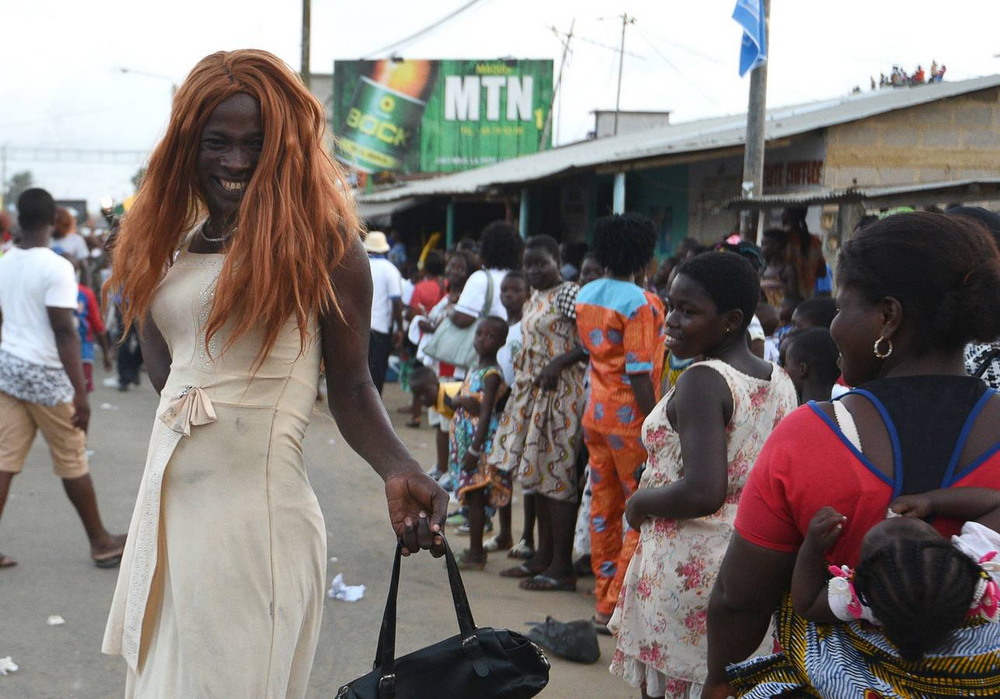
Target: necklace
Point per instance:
(220, 239)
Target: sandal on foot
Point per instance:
(521, 571)
(522, 550)
(110, 560)
(7, 561)
(494, 545)
(413, 423)
(545, 583)
(465, 561)
(601, 627)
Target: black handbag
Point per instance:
(478, 662)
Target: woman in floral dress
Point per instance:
(539, 434)
(702, 439)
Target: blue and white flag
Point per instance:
(749, 14)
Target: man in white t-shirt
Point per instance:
(387, 307)
(41, 372)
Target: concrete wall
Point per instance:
(951, 139)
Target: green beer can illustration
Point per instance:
(382, 124)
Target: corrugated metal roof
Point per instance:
(693, 136)
(985, 187)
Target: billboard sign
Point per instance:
(410, 116)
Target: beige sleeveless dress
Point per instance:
(220, 591)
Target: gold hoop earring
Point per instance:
(882, 355)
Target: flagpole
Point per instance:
(753, 156)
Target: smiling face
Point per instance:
(540, 268)
(230, 147)
(694, 324)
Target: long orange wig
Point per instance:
(295, 222)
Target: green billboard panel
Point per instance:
(411, 116)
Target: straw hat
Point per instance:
(375, 242)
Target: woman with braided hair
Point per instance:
(913, 289)
(221, 584)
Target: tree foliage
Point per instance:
(17, 183)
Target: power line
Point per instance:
(679, 72)
(585, 40)
(425, 30)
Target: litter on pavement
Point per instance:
(345, 593)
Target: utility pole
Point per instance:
(626, 20)
(753, 154)
(306, 22)
(547, 130)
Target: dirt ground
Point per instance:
(55, 576)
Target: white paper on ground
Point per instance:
(345, 593)
(7, 665)
(56, 620)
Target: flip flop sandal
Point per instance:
(108, 561)
(7, 561)
(521, 571)
(521, 551)
(545, 583)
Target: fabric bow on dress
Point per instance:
(191, 407)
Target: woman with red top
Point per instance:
(432, 288)
(913, 290)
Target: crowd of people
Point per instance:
(898, 77)
(645, 400)
(716, 438)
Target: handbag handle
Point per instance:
(385, 653)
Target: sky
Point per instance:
(62, 86)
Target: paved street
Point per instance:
(55, 576)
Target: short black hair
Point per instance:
(434, 263)
(497, 322)
(746, 249)
(500, 246)
(35, 208)
(515, 274)
(422, 373)
(729, 280)
(624, 243)
(943, 269)
(815, 347)
(819, 311)
(543, 242)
